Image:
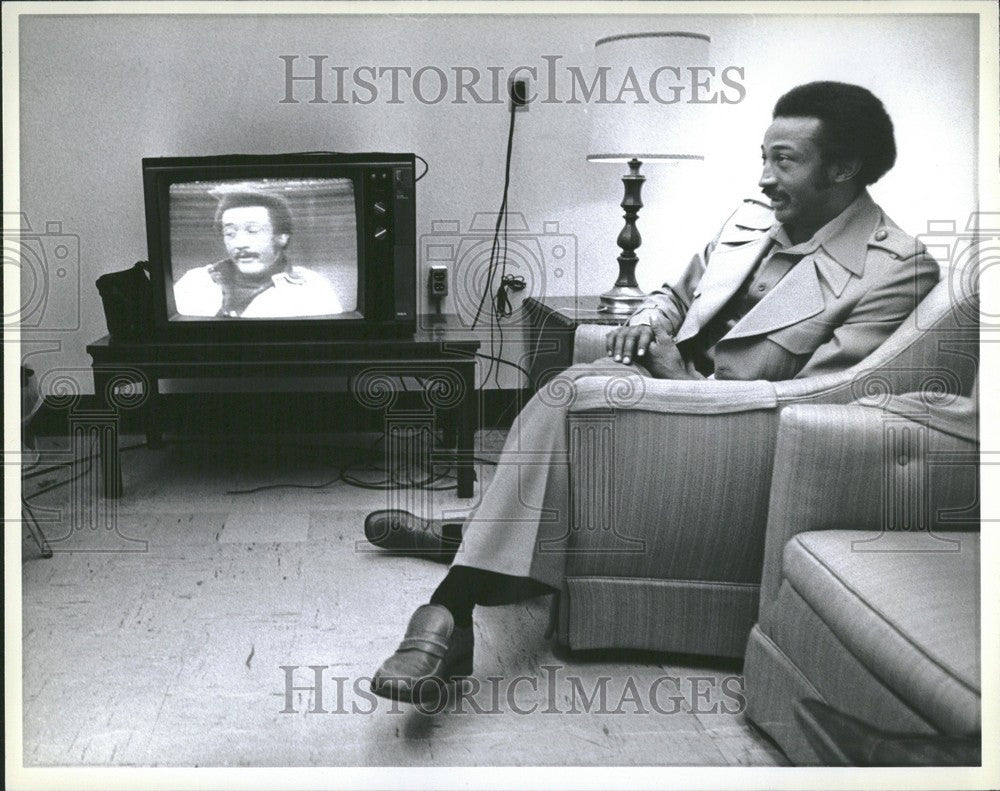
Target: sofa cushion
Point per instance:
(907, 606)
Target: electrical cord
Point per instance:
(393, 480)
(89, 458)
(269, 486)
(527, 376)
(500, 216)
(507, 283)
(501, 291)
(79, 460)
(427, 167)
(314, 486)
(382, 486)
(29, 497)
(500, 360)
(500, 305)
(54, 467)
(498, 251)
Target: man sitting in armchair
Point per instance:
(809, 286)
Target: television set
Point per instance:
(282, 247)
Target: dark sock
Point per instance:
(455, 593)
(464, 587)
(451, 532)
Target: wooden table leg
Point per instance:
(110, 463)
(152, 414)
(468, 417)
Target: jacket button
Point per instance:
(880, 236)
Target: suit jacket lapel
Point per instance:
(797, 297)
(727, 270)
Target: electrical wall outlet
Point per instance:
(437, 281)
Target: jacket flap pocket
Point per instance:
(805, 336)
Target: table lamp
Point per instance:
(649, 114)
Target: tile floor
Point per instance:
(180, 636)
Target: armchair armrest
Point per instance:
(588, 343)
(630, 391)
(937, 346)
(858, 468)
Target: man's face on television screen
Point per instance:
(251, 242)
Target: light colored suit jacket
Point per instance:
(833, 308)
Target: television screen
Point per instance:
(263, 249)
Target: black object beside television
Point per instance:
(282, 247)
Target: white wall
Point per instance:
(99, 93)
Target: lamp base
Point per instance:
(621, 300)
(625, 296)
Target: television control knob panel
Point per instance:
(379, 202)
(391, 234)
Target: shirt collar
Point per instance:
(841, 237)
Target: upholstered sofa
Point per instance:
(871, 585)
(670, 487)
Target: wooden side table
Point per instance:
(552, 324)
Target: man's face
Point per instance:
(251, 241)
(794, 176)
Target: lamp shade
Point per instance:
(646, 105)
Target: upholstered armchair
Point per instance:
(870, 594)
(670, 486)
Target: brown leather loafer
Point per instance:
(402, 533)
(433, 655)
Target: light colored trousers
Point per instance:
(522, 524)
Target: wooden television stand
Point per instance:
(442, 358)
